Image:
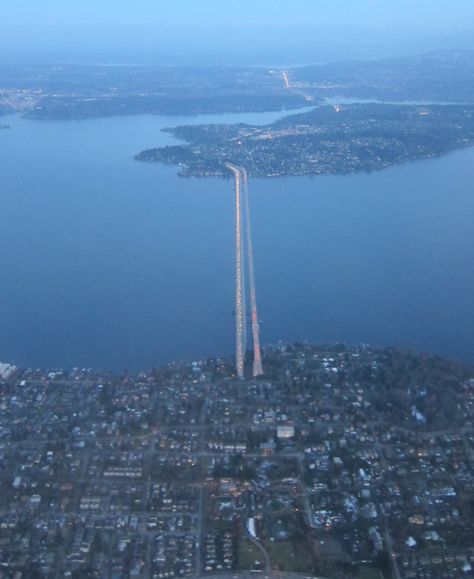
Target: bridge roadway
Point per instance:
(259, 575)
(241, 194)
(239, 285)
(257, 356)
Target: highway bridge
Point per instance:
(241, 193)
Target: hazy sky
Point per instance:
(213, 28)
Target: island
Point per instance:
(326, 140)
(342, 461)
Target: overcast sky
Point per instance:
(305, 30)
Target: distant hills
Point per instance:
(88, 91)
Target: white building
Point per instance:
(6, 370)
(285, 431)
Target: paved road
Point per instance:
(261, 575)
(265, 555)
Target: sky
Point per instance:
(212, 30)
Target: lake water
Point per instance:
(111, 263)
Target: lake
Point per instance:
(107, 262)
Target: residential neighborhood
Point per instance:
(341, 461)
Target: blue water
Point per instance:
(111, 263)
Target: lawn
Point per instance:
(368, 573)
(284, 556)
(248, 554)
